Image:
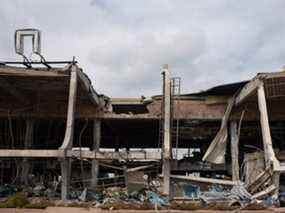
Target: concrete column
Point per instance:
(270, 158)
(65, 165)
(96, 146)
(166, 170)
(167, 151)
(69, 133)
(126, 176)
(71, 108)
(234, 150)
(27, 145)
(265, 128)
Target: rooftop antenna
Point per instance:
(35, 34)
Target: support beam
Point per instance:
(234, 150)
(166, 172)
(69, 131)
(139, 168)
(248, 90)
(204, 180)
(111, 166)
(270, 159)
(106, 155)
(23, 72)
(126, 176)
(166, 113)
(68, 137)
(276, 182)
(167, 151)
(27, 145)
(31, 153)
(265, 128)
(96, 146)
(270, 189)
(259, 180)
(65, 165)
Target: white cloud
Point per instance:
(123, 44)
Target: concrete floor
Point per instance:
(93, 210)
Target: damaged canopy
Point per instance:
(217, 149)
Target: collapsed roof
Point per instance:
(42, 92)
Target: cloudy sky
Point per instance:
(122, 45)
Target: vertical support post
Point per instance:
(69, 133)
(27, 144)
(266, 135)
(96, 146)
(270, 159)
(65, 178)
(126, 176)
(166, 176)
(234, 150)
(68, 137)
(167, 151)
(167, 113)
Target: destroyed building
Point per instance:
(56, 128)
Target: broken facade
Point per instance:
(57, 129)
(240, 123)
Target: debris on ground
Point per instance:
(7, 190)
(191, 191)
(156, 199)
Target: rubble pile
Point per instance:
(111, 198)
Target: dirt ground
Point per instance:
(93, 210)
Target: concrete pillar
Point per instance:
(67, 144)
(65, 165)
(27, 145)
(167, 151)
(234, 150)
(166, 170)
(265, 128)
(126, 176)
(96, 146)
(270, 158)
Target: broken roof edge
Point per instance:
(217, 148)
(127, 101)
(228, 89)
(234, 87)
(33, 72)
(231, 88)
(99, 100)
(220, 90)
